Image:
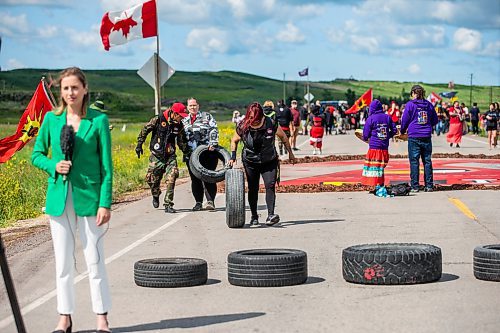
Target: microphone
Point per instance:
(67, 143)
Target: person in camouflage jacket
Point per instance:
(167, 130)
(201, 129)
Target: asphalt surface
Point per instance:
(322, 224)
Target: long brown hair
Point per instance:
(418, 91)
(254, 114)
(79, 74)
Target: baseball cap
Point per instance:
(179, 108)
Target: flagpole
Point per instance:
(308, 102)
(49, 92)
(157, 67)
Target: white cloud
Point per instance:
(239, 8)
(364, 43)
(48, 31)
(414, 69)
(14, 64)
(291, 34)
(336, 36)
(12, 26)
(492, 49)
(467, 40)
(211, 40)
(34, 2)
(85, 39)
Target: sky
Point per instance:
(432, 41)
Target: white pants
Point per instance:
(63, 230)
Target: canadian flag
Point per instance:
(134, 23)
(434, 98)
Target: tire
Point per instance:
(235, 198)
(486, 262)
(392, 264)
(204, 174)
(170, 272)
(267, 267)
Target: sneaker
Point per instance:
(210, 205)
(272, 219)
(458, 146)
(429, 189)
(451, 144)
(415, 190)
(254, 221)
(197, 207)
(170, 209)
(295, 148)
(156, 201)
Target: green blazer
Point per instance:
(91, 174)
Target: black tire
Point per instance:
(392, 264)
(267, 267)
(204, 174)
(235, 198)
(486, 262)
(170, 272)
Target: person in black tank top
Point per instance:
(260, 158)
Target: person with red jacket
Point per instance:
(317, 131)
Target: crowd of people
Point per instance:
(80, 184)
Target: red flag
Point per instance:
(137, 22)
(29, 124)
(363, 101)
(434, 98)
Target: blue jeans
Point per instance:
(420, 147)
(440, 128)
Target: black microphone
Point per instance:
(67, 143)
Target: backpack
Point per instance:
(400, 189)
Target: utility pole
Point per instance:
(284, 89)
(491, 94)
(470, 96)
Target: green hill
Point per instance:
(129, 98)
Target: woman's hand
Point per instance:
(230, 163)
(291, 157)
(103, 216)
(62, 167)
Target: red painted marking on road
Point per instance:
(446, 172)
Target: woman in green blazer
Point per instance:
(78, 193)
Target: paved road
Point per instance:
(322, 224)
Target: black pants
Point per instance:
(269, 172)
(475, 127)
(209, 160)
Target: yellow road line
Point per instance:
(463, 208)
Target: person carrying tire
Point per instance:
(167, 129)
(201, 129)
(285, 120)
(260, 158)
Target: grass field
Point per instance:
(23, 187)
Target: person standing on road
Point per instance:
(167, 130)
(260, 158)
(474, 119)
(418, 119)
(78, 194)
(456, 126)
(296, 125)
(201, 129)
(491, 125)
(317, 130)
(285, 121)
(379, 128)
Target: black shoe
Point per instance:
(197, 207)
(451, 144)
(272, 219)
(69, 329)
(458, 146)
(169, 209)
(156, 201)
(254, 221)
(295, 148)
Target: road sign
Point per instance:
(308, 97)
(147, 72)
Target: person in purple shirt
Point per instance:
(418, 119)
(378, 129)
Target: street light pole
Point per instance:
(470, 96)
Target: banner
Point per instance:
(30, 123)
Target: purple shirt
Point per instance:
(418, 119)
(378, 128)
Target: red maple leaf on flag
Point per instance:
(124, 25)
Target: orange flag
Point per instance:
(363, 101)
(29, 124)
